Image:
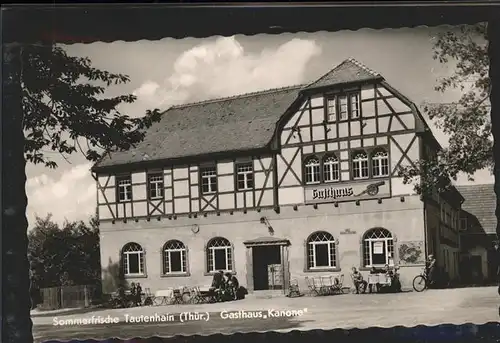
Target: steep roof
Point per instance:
(480, 201)
(348, 71)
(241, 122)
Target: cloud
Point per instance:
(223, 68)
(72, 196)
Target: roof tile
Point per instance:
(348, 71)
(480, 201)
(235, 123)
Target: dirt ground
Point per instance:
(477, 305)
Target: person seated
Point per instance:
(358, 281)
(217, 280)
(232, 286)
(133, 293)
(396, 283)
(218, 285)
(374, 270)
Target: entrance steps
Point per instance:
(266, 294)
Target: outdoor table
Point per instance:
(208, 294)
(381, 279)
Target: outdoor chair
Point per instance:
(162, 297)
(197, 297)
(148, 297)
(177, 297)
(294, 290)
(338, 283)
(313, 289)
(325, 285)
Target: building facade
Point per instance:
(273, 186)
(477, 234)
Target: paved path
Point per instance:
(455, 306)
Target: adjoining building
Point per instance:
(477, 234)
(276, 185)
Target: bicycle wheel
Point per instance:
(419, 283)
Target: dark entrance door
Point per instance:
(263, 256)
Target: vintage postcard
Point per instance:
(263, 183)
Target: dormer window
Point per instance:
(342, 107)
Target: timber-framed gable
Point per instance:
(345, 120)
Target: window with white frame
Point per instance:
(312, 170)
(219, 255)
(354, 105)
(155, 186)
(321, 251)
(208, 180)
(331, 170)
(378, 247)
(360, 165)
(174, 257)
(244, 176)
(133, 259)
(343, 107)
(380, 163)
(331, 109)
(124, 188)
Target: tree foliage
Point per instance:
(63, 256)
(466, 122)
(66, 110)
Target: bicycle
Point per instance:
(421, 282)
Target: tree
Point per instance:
(467, 121)
(64, 256)
(53, 102)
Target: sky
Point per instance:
(173, 71)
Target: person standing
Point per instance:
(496, 263)
(431, 269)
(138, 294)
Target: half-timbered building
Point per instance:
(273, 185)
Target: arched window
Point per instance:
(331, 168)
(219, 255)
(312, 170)
(360, 165)
(380, 163)
(174, 257)
(378, 247)
(321, 251)
(133, 259)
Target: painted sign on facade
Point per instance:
(362, 190)
(411, 253)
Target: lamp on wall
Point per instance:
(265, 221)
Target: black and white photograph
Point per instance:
(235, 184)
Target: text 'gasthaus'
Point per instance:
(262, 314)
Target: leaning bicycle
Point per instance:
(421, 282)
